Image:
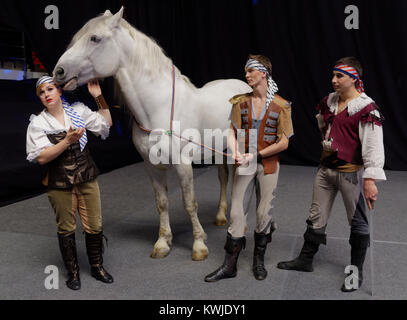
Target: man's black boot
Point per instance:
(359, 244)
(228, 269)
(303, 262)
(260, 244)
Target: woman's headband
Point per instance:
(42, 81)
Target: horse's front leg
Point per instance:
(185, 174)
(223, 175)
(158, 178)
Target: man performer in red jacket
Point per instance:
(352, 162)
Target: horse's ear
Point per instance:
(115, 20)
(107, 13)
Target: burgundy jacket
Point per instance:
(345, 130)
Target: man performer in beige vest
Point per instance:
(261, 125)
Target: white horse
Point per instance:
(109, 46)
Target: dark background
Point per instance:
(208, 40)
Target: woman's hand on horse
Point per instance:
(94, 88)
(73, 136)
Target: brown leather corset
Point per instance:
(71, 167)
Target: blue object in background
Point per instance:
(8, 74)
(118, 129)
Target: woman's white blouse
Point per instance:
(45, 123)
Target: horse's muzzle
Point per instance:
(71, 84)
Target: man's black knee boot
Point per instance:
(359, 244)
(303, 262)
(228, 269)
(260, 244)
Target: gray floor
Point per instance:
(28, 244)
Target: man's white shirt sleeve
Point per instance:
(371, 137)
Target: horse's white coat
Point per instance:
(109, 46)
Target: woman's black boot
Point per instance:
(67, 246)
(94, 249)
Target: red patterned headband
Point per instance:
(351, 72)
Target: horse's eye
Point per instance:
(95, 39)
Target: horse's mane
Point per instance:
(154, 56)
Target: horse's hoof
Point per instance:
(200, 255)
(160, 252)
(221, 222)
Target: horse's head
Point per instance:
(92, 53)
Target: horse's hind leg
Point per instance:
(185, 174)
(159, 180)
(223, 175)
